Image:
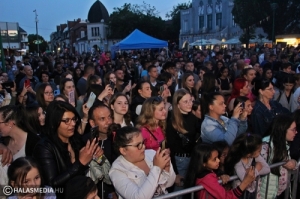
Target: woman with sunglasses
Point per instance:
(152, 122)
(139, 173)
(265, 108)
(62, 154)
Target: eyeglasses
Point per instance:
(139, 145)
(49, 93)
(67, 121)
(187, 102)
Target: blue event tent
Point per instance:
(139, 40)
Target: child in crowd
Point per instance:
(201, 172)
(243, 154)
(81, 187)
(25, 173)
(223, 149)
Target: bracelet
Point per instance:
(84, 121)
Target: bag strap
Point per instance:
(278, 98)
(151, 133)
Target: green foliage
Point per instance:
(247, 35)
(174, 15)
(33, 47)
(130, 17)
(255, 12)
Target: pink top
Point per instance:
(150, 141)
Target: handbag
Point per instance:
(162, 144)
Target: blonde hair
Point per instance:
(146, 118)
(177, 120)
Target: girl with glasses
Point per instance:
(182, 133)
(139, 173)
(44, 95)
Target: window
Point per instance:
(95, 32)
(219, 20)
(209, 22)
(185, 25)
(233, 22)
(201, 22)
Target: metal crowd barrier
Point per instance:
(290, 190)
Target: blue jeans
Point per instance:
(182, 164)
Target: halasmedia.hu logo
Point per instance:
(8, 190)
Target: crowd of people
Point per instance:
(150, 122)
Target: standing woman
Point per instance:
(216, 127)
(119, 104)
(141, 92)
(240, 88)
(285, 96)
(276, 149)
(265, 108)
(188, 83)
(182, 133)
(61, 154)
(249, 74)
(44, 95)
(224, 81)
(152, 122)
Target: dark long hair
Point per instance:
(200, 156)
(40, 95)
(55, 112)
(243, 145)
(19, 169)
(32, 119)
(277, 131)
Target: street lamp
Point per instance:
(37, 38)
(274, 7)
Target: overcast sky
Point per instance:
(55, 12)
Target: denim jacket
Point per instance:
(212, 130)
(262, 117)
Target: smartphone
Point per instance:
(8, 84)
(56, 92)
(27, 83)
(243, 105)
(91, 100)
(161, 89)
(253, 163)
(112, 84)
(94, 133)
(71, 97)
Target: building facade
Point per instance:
(208, 19)
(13, 37)
(80, 36)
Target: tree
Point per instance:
(174, 15)
(129, 17)
(259, 13)
(247, 35)
(33, 47)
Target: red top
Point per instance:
(150, 141)
(213, 190)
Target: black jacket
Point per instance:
(56, 169)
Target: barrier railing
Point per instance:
(293, 192)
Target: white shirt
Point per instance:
(131, 182)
